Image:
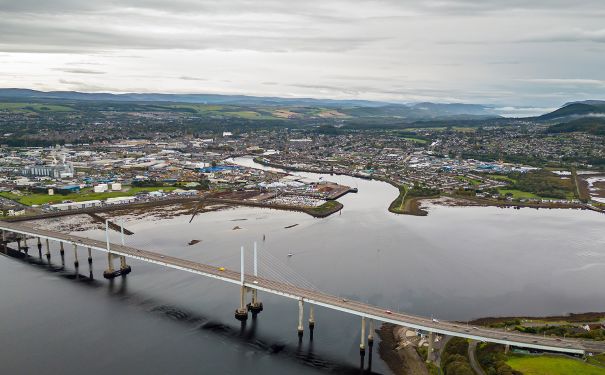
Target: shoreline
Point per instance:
(412, 206)
(391, 355)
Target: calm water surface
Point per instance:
(457, 263)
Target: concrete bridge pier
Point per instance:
(301, 313)
(506, 348)
(39, 247)
(109, 273)
(47, 251)
(19, 244)
(76, 263)
(362, 341)
(4, 242)
(255, 306)
(311, 321)
(124, 268)
(429, 352)
(371, 334)
(90, 263)
(25, 247)
(62, 253)
(241, 313)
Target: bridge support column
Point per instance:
(18, 244)
(124, 268)
(311, 321)
(109, 273)
(62, 253)
(76, 263)
(371, 334)
(25, 247)
(39, 247)
(362, 341)
(506, 348)
(89, 255)
(255, 306)
(4, 242)
(241, 313)
(429, 352)
(301, 312)
(47, 251)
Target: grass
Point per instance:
(598, 360)
(416, 140)
(84, 195)
(499, 177)
(34, 107)
(518, 194)
(472, 181)
(549, 365)
(329, 206)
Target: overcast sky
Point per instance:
(538, 53)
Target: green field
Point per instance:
(84, 195)
(33, 107)
(518, 194)
(416, 140)
(547, 365)
(472, 181)
(499, 177)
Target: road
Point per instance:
(472, 357)
(322, 299)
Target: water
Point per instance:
(457, 263)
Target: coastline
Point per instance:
(412, 206)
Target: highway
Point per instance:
(518, 339)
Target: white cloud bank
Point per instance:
(520, 53)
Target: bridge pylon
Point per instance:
(241, 313)
(255, 306)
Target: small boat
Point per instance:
(290, 254)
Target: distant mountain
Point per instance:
(12, 93)
(351, 108)
(455, 109)
(571, 111)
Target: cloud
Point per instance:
(79, 71)
(391, 50)
(565, 81)
(564, 36)
(189, 78)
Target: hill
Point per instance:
(241, 106)
(571, 111)
(592, 125)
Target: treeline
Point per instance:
(492, 359)
(592, 125)
(541, 183)
(419, 190)
(455, 358)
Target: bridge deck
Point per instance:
(324, 299)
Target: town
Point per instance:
(483, 165)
